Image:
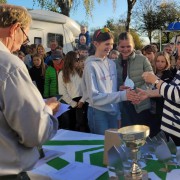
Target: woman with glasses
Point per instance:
(26, 121)
(99, 85)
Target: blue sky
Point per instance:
(101, 13)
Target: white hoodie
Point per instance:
(99, 85)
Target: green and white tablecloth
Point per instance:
(88, 148)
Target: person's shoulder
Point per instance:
(87, 33)
(9, 64)
(9, 60)
(139, 56)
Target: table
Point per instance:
(87, 148)
(78, 147)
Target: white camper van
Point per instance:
(48, 25)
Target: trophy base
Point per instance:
(140, 176)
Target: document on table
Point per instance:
(80, 170)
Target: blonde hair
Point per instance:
(40, 46)
(11, 14)
(167, 58)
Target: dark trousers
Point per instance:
(20, 176)
(75, 119)
(131, 117)
(78, 116)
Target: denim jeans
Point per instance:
(99, 121)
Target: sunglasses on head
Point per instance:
(104, 30)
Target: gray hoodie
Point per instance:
(99, 85)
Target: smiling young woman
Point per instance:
(132, 65)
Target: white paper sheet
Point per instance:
(173, 175)
(62, 109)
(78, 170)
(153, 176)
(74, 135)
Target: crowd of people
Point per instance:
(106, 86)
(98, 94)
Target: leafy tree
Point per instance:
(66, 5)
(167, 13)
(152, 15)
(119, 26)
(3, 1)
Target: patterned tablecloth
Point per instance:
(88, 148)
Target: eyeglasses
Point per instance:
(104, 30)
(27, 38)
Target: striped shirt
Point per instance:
(171, 110)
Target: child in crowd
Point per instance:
(99, 85)
(162, 70)
(83, 50)
(178, 63)
(69, 80)
(51, 80)
(130, 66)
(177, 66)
(31, 50)
(168, 48)
(82, 41)
(114, 54)
(41, 51)
(85, 33)
(162, 67)
(149, 51)
(21, 55)
(82, 59)
(156, 46)
(37, 72)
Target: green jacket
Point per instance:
(137, 64)
(51, 82)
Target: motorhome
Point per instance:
(48, 25)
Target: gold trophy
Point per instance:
(134, 137)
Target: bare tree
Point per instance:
(130, 4)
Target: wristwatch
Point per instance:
(156, 82)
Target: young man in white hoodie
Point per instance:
(99, 86)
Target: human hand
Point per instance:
(122, 88)
(149, 77)
(142, 94)
(132, 96)
(53, 104)
(80, 104)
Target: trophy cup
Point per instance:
(134, 137)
